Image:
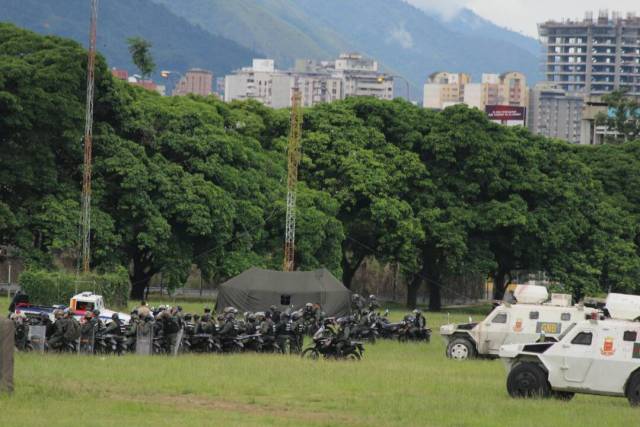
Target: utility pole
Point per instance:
(88, 142)
(295, 140)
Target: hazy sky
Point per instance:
(524, 15)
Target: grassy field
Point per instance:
(395, 385)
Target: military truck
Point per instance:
(531, 318)
(600, 356)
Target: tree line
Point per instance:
(190, 180)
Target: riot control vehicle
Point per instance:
(600, 356)
(531, 318)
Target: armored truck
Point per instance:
(599, 356)
(530, 319)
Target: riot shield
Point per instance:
(87, 341)
(178, 344)
(37, 337)
(144, 339)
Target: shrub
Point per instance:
(57, 287)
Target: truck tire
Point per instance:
(461, 349)
(633, 389)
(528, 380)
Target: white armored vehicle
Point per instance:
(599, 356)
(530, 319)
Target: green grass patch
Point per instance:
(395, 385)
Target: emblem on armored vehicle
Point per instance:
(607, 347)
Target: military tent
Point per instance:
(257, 290)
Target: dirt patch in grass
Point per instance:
(257, 409)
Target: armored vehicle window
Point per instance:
(565, 317)
(630, 336)
(285, 299)
(583, 338)
(534, 315)
(500, 318)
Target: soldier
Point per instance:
(172, 323)
(132, 331)
(274, 313)
(115, 327)
(417, 324)
(266, 329)
(57, 337)
(357, 304)
(297, 331)
(373, 303)
(283, 332)
(21, 330)
(143, 310)
(72, 328)
(98, 326)
(343, 336)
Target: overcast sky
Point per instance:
(524, 15)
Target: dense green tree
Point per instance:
(622, 117)
(140, 50)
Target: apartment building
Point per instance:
(318, 81)
(556, 113)
(593, 56)
(196, 81)
(444, 89)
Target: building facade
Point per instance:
(593, 56)
(318, 81)
(444, 89)
(555, 113)
(196, 81)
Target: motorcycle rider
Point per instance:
(373, 303)
(343, 335)
(115, 327)
(417, 324)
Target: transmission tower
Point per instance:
(85, 217)
(295, 139)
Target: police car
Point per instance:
(599, 356)
(530, 319)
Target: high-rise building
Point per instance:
(196, 81)
(593, 56)
(318, 81)
(555, 113)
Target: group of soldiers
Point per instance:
(170, 330)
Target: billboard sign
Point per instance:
(507, 114)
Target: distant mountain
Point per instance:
(177, 44)
(406, 40)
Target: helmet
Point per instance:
(308, 305)
(188, 317)
(285, 316)
(114, 316)
(251, 317)
(44, 316)
(179, 308)
(260, 315)
(372, 296)
(134, 311)
(296, 315)
(87, 314)
(96, 312)
(207, 310)
(416, 311)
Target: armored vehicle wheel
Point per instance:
(528, 380)
(633, 389)
(563, 395)
(461, 349)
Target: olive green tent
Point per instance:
(257, 290)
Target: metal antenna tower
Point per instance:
(295, 140)
(88, 142)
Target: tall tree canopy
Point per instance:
(184, 181)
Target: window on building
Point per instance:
(565, 317)
(534, 315)
(630, 336)
(285, 299)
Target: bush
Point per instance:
(57, 287)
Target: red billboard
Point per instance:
(507, 114)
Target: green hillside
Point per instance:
(177, 44)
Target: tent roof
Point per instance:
(297, 281)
